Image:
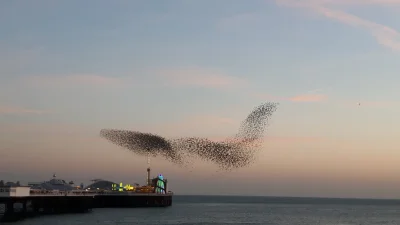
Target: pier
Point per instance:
(20, 202)
(56, 196)
(17, 203)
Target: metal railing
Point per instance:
(130, 193)
(62, 193)
(93, 193)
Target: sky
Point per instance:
(197, 68)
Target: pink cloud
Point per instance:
(181, 77)
(285, 139)
(211, 118)
(297, 98)
(34, 127)
(310, 3)
(384, 35)
(201, 78)
(198, 124)
(201, 125)
(75, 80)
(18, 110)
(49, 132)
(308, 98)
(362, 2)
(290, 139)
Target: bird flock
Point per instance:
(231, 153)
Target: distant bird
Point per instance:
(359, 103)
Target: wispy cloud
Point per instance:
(280, 139)
(75, 80)
(308, 97)
(208, 119)
(200, 78)
(200, 124)
(362, 2)
(11, 110)
(192, 77)
(210, 122)
(53, 129)
(294, 139)
(385, 35)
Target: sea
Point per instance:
(218, 210)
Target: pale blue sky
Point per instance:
(180, 67)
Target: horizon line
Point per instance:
(280, 196)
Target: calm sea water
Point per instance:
(203, 210)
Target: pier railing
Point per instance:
(91, 193)
(130, 193)
(26, 191)
(62, 193)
